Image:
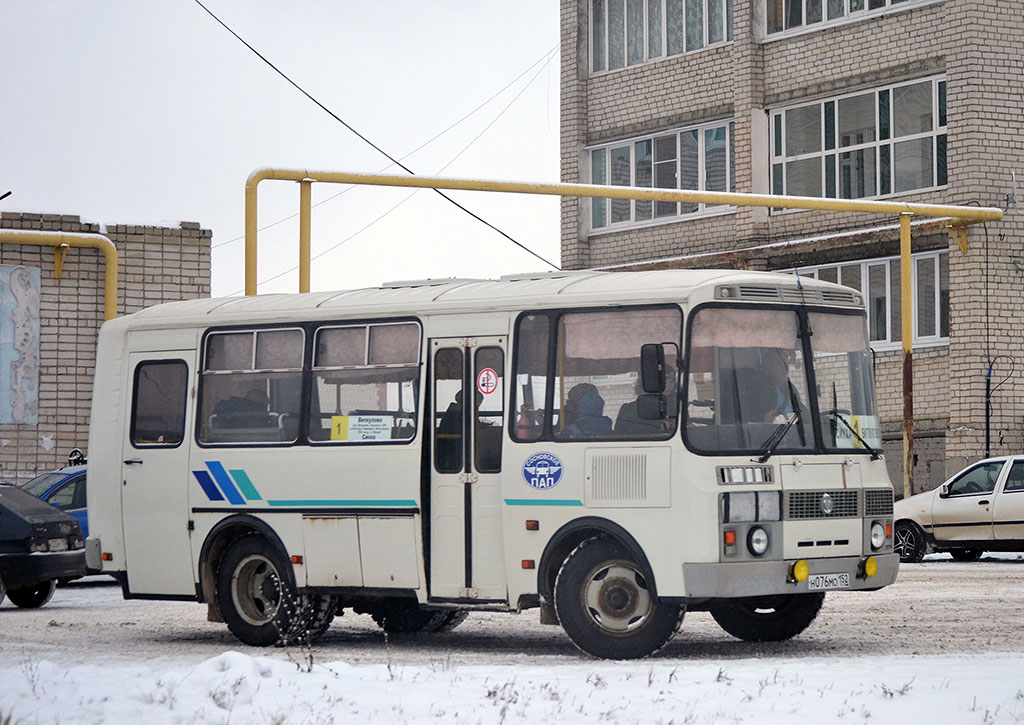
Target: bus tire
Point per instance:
(605, 605)
(322, 609)
(31, 597)
(768, 619)
(256, 600)
(406, 617)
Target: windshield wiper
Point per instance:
(777, 436)
(837, 414)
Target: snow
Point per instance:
(293, 688)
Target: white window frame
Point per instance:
(891, 343)
(727, 14)
(848, 16)
(779, 160)
(703, 210)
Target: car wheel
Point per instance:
(908, 542)
(966, 554)
(3, 590)
(769, 619)
(34, 596)
(605, 604)
(256, 600)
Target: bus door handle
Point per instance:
(131, 461)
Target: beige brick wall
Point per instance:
(155, 264)
(977, 47)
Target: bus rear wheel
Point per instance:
(768, 619)
(605, 605)
(256, 600)
(406, 617)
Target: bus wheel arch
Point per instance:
(218, 541)
(566, 540)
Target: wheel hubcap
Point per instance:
(904, 543)
(256, 590)
(617, 598)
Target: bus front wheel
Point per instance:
(605, 605)
(256, 601)
(768, 619)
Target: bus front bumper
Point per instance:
(726, 580)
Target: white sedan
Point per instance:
(979, 509)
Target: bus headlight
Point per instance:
(877, 536)
(757, 541)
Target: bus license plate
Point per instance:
(817, 582)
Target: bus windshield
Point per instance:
(756, 380)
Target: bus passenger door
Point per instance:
(154, 491)
(466, 558)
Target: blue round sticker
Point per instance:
(542, 470)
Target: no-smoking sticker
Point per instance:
(487, 381)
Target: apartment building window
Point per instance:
(878, 280)
(698, 158)
(783, 15)
(630, 32)
(868, 144)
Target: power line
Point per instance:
(409, 196)
(546, 59)
(384, 153)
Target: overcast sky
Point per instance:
(151, 113)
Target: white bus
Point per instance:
(614, 448)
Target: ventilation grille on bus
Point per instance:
(618, 477)
(814, 505)
(878, 502)
(797, 295)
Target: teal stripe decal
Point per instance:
(245, 486)
(542, 502)
(343, 502)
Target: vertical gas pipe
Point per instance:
(908, 355)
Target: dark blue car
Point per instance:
(65, 489)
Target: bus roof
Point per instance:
(513, 292)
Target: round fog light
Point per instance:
(757, 541)
(799, 571)
(870, 567)
(877, 536)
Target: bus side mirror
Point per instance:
(651, 407)
(652, 368)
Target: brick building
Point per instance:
(47, 357)
(917, 100)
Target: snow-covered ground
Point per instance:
(240, 688)
(942, 645)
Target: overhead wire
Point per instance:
(366, 140)
(546, 57)
(413, 193)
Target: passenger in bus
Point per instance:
(572, 401)
(776, 363)
(590, 420)
(250, 409)
(629, 423)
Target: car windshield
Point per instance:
(748, 388)
(43, 483)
